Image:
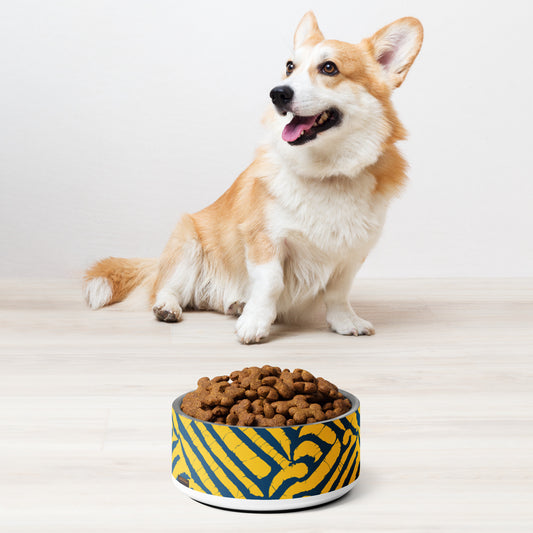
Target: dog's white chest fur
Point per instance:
(323, 225)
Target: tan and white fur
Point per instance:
(298, 223)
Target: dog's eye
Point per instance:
(329, 68)
(289, 67)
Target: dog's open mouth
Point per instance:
(304, 129)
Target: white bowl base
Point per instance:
(241, 504)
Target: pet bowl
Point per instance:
(265, 468)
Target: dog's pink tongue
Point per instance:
(298, 124)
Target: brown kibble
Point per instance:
(266, 397)
(287, 377)
(327, 388)
(299, 416)
(257, 406)
(191, 402)
(247, 419)
(307, 376)
(219, 410)
(320, 416)
(251, 394)
(305, 387)
(339, 404)
(262, 421)
(204, 414)
(268, 370)
(269, 380)
(269, 410)
(240, 414)
(277, 420)
(226, 401)
(282, 407)
(243, 404)
(317, 397)
(297, 373)
(235, 392)
(268, 392)
(284, 390)
(250, 378)
(203, 382)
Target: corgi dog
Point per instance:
(298, 223)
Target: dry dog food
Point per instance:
(266, 396)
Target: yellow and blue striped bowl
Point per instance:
(263, 468)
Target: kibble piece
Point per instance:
(217, 379)
(251, 394)
(283, 389)
(269, 410)
(277, 420)
(327, 388)
(269, 380)
(219, 410)
(268, 392)
(305, 387)
(298, 415)
(204, 414)
(307, 376)
(257, 406)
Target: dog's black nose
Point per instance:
(281, 95)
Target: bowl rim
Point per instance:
(176, 407)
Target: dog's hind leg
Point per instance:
(179, 268)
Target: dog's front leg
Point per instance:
(266, 284)
(339, 313)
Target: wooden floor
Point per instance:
(446, 391)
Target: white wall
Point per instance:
(117, 116)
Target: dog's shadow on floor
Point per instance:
(383, 315)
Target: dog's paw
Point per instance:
(252, 328)
(167, 312)
(350, 324)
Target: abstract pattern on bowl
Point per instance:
(265, 463)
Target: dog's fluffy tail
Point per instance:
(112, 279)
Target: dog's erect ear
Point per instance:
(395, 47)
(307, 31)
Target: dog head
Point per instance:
(333, 112)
